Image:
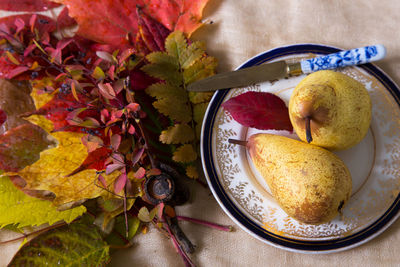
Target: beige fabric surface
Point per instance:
(240, 30)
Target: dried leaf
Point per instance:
(200, 97)
(177, 134)
(264, 111)
(19, 209)
(191, 172)
(184, 154)
(78, 244)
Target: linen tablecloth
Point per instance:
(240, 30)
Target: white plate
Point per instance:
(374, 165)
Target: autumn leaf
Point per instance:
(264, 111)
(175, 109)
(20, 146)
(184, 154)
(77, 244)
(177, 134)
(19, 209)
(52, 172)
(191, 172)
(117, 24)
(27, 5)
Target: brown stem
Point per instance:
(237, 142)
(126, 215)
(180, 235)
(308, 129)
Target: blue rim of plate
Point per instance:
(304, 246)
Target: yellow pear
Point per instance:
(331, 110)
(311, 184)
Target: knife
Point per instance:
(281, 69)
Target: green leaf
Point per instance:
(164, 67)
(177, 134)
(175, 109)
(78, 244)
(200, 97)
(166, 90)
(98, 73)
(19, 209)
(147, 216)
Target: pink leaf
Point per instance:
(137, 156)
(106, 90)
(133, 107)
(118, 158)
(120, 183)
(115, 141)
(139, 174)
(20, 24)
(113, 167)
(264, 111)
(102, 181)
(131, 129)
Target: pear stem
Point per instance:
(308, 129)
(237, 142)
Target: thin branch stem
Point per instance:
(226, 228)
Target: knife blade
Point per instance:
(281, 69)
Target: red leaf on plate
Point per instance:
(27, 5)
(264, 111)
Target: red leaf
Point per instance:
(95, 160)
(3, 117)
(132, 107)
(264, 111)
(27, 5)
(151, 32)
(116, 23)
(106, 90)
(64, 20)
(120, 183)
(21, 146)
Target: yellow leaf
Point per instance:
(177, 134)
(20, 210)
(200, 97)
(200, 69)
(175, 109)
(51, 171)
(191, 172)
(40, 98)
(166, 90)
(185, 154)
(98, 73)
(12, 58)
(73, 90)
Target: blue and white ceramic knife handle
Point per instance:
(344, 58)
